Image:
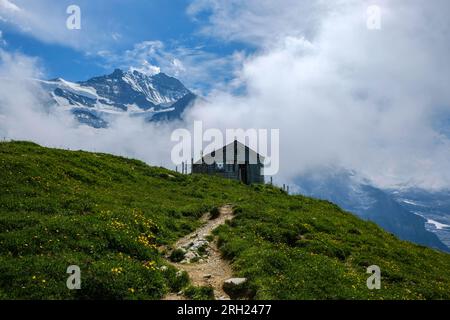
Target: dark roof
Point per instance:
(242, 149)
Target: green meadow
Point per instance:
(111, 216)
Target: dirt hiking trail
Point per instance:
(209, 268)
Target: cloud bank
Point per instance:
(46, 20)
(197, 68)
(342, 95)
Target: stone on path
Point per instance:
(235, 281)
(236, 287)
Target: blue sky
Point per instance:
(110, 29)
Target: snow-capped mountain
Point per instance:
(433, 206)
(360, 197)
(156, 97)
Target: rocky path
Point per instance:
(202, 259)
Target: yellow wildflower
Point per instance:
(117, 270)
(149, 265)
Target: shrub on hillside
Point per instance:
(177, 255)
(214, 213)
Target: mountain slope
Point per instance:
(95, 101)
(178, 108)
(370, 203)
(109, 215)
(433, 206)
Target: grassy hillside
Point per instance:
(109, 215)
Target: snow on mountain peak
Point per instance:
(121, 91)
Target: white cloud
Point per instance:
(9, 6)
(261, 21)
(2, 40)
(178, 66)
(147, 68)
(342, 94)
(46, 20)
(116, 36)
(198, 69)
